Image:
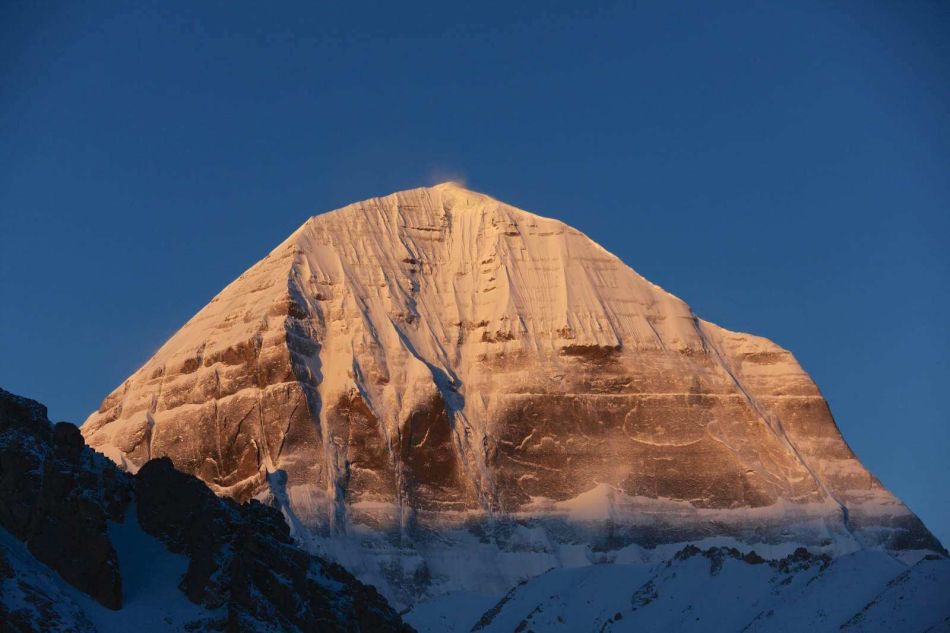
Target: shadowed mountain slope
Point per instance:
(86, 547)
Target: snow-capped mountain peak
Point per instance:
(437, 362)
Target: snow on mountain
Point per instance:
(36, 598)
(714, 590)
(446, 393)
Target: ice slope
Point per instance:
(415, 373)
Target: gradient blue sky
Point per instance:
(783, 167)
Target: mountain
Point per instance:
(85, 547)
(444, 392)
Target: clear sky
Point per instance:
(783, 167)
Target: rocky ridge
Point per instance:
(62, 506)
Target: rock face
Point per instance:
(67, 504)
(438, 360)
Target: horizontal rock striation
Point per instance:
(435, 359)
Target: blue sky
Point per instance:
(783, 167)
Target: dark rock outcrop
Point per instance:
(57, 496)
(238, 553)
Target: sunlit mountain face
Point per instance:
(446, 394)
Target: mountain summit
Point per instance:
(435, 374)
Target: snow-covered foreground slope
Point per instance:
(713, 590)
(36, 598)
(432, 374)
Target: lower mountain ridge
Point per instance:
(85, 547)
(716, 589)
(445, 393)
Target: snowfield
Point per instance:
(713, 590)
